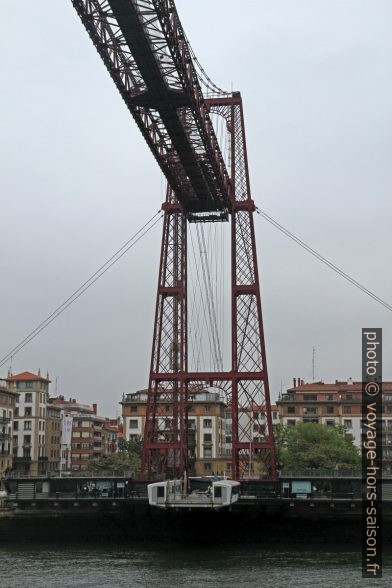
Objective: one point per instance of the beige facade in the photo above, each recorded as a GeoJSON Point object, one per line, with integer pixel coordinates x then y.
{"type": "Point", "coordinates": [29, 427]}
{"type": "Point", "coordinates": [8, 400]}
{"type": "Point", "coordinates": [338, 404]}
{"type": "Point", "coordinates": [209, 429]}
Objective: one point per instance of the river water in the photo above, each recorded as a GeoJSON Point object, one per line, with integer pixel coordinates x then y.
{"type": "Point", "coordinates": [172, 566]}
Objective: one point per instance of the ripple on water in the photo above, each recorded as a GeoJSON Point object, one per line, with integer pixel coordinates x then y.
{"type": "Point", "coordinates": [177, 566]}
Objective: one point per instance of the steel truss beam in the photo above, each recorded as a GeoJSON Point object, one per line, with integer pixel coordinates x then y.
{"type": "Point", "coordinates": [144, 48]}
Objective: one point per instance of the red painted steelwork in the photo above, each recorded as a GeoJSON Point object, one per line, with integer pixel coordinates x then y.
{"type": "Point", "coordinates": [167, 453]}
{"type": "Point", "coordinates": [146, 52]}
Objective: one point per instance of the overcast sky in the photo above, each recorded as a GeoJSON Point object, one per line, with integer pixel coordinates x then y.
{"type": "Point", "coordinates": [77, 180]}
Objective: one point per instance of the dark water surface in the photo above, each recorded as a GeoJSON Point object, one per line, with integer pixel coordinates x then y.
{"type": "Point", "coordinates": [172, 566]}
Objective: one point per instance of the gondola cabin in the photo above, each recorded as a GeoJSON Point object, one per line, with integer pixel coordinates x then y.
{"type": "Point", "coordinates": [170, 494]}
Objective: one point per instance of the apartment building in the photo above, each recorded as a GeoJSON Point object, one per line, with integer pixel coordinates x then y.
{"type": "Point", "coordinates": [209, 428]}
{"type": "Point", "coordinates": [53, 438]}
{"type": "Point", "coordinates": [252, 422]}
{"type": "Point", "coordinates": [29, 426]}
{"type": "Point", "coordinates": [88, 435]}
{"type": "Point", "coordinates": [8, 400]}
{"type": "Point", "coordinates": [336, 404]}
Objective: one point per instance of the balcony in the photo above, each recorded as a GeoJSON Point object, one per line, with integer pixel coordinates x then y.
{"type": "Point", "coordinates": [4, 420]}
{"type": "Point", "coordinates": [4, 436]}
{"type": "Point", "coordinates": [288, 398]}
{"type": "Point", "coordinates": [24, 459]}
{"type": "Point", "coordinates": [4, 452]}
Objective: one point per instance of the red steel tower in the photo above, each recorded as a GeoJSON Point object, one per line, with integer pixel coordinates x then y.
{"type": "Point", "coordinates": [146, 52]}
{"type": "Point", "coordinates": [246, 384]}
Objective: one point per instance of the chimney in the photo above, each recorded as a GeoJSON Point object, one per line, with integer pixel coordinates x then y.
{"type": "Point", "coordinates": [302, 382]}
{"type": "Point", "coordinates": [294, 383]}
{"type": "Point", "coordinates": [94, 408]}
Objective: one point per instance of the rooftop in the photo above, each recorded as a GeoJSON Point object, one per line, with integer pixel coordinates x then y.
{"type": "Point", "coordinates": [27, 377]}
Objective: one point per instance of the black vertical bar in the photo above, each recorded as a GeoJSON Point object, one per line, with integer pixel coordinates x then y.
{"type": "Point", "coordinates": [371, 443]}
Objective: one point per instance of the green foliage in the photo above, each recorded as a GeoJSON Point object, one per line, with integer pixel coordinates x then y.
{"type": "Point", "coordinates": [313, 445]}
{"type": "Point", "coordinates": [126, 461]}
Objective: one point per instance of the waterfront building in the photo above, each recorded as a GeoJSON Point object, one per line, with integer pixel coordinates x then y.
{"type": "Point", "coordinates": [209, 428]}
{"type": "Point", "coordinates": [338, 404]}
{"type": "Point", "coordinates": [29, 426]}
{"type": "Point", "coordinates": [86, 435]}
{"type": "Point", "coordinates": [8, 399]}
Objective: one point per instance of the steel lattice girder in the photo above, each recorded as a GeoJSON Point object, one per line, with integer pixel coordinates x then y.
{"type": "Point", "coordinates": [145, 51]}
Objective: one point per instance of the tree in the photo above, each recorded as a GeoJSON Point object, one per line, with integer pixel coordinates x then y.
{"type": "Point", "coordinates": [313, 445]}
{"type": "Point", "coordinates": [127, 460]}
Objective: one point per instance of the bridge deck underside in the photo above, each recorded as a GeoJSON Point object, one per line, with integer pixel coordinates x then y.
{"type": "Point", "coordinates": [197, 192]}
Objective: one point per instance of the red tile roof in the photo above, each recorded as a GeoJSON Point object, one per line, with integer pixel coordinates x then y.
{"type": "Point", "coordinates": [27, 376]}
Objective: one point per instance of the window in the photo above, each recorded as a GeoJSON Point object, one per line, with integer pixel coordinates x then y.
{"type": "Point", "coordinates": [291, 422]}
{"type": "Point", "coordinates": [310, 409]}
{"type": "Point", "coordinates": [207, 423]}
{"type": "Point", "coordinates": [330, 409]}
{"type": "Point", "coordinates": [133, 424]}
{"type": "Point", "coordinates": [16, 425]}
{"type": "Point", "coordinates": [329, 397]}
{"type": "Point", "coordinates": [207, 438]}
{"type": "Point", "coordinates": [207, 467]}
{"type": "Point", "coordinates": [228, 439]}
{"type": "Point", "coordinates": [29, 385]}
{"type": "Point", "coordinates": [274, 415]}
{"type": "Point", "coordinates": [348, 424]}
{"type": "Point", "coordinates": [310, 397]}
{"type": "Point", "coordinates": [207, 407]}
{"type": "Point", "coordinates": [27, 411]}
{"type": "Point", "coordinates": [133, 407]}
{"type": "Point", "coordinates": [291, 409]}
{"type": "Point", "coordinates": [347, 409]}
{"type": "Point", "coordinates": [311, 420]}
{"type": "Point", "coordinates": [349, 396]}
{"type": "Point", "coordinates": [26, 439]}
{"type": "Point", "coordinates": [255, 415]}
{"type": "Point", "coordinates": [330, 423]}
{"type": "Point", "coordinates": [208, 452]}
{"type": "Point", "coordinates": [27, 426]}
{"type": "Point", "coordinates": [28, 397]}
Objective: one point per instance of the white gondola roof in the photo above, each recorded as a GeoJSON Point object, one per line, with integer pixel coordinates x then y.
{"type": "Point", "coordinates": [226, 483]}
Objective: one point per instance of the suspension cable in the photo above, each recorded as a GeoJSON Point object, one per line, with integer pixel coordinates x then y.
{"type": "Point", "coordinates": [85, 286]}
{"type": "Point", "coordinates": [325, 261]}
